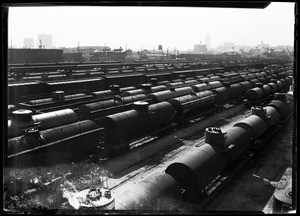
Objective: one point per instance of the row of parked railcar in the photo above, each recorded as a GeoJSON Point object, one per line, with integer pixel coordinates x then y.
{"type": "Point", "coordinates": [186, 100]}
{"type": "Point", "coordinates": [184, 80]}
{"type": "Point", "coordinates": [119, 128]}
{"type": "Point", "coordinates": [187, 178]}
{"type": "Point", "coordinates": [60, 100]}
{"type": "Point", "coordinates": [28, 74]}
{"type": "Point", "coordinates": [167, 107]}
{"type": "Point", "coordinates": [20, 92]}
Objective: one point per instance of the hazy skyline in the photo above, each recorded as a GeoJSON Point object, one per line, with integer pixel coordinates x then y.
{"type": "Point", "coordinates": [147, 27]}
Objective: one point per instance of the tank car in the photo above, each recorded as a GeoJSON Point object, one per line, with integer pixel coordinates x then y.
{"type": "Point", "coordinates": [206, 86]}
{"type": "Point", "coordinates": [258, 94]}
{"type": "Point", "coordinates": [122, 127]}
{"type": "Point", "coordinates": [105, 94]}
{"type": "Point", "coordinates": [168, 94]}
{"type": "Point", "coordinates": [146, 193]}
{"type": "Point", "coordinates": [128, 88]}
{"type": "Point", "coordinates": [98, 110]}
{"type": "Point", "coordinates": [158, 88]}
{"type": "Point", "coordinates": [133, 92]}
{"type": "Point", "coordinates": [87, 110]}
{"type": "Point", "coordinates": [52, 146]}
{"type": "Point", "coordinates": [282, 105]}
{"type": "Point", "coordinates": [228, 93]}
{"type": "Point", "coordinates": [254, 82]}
{"type": "Point", "coordinates": [204, 80]}
{"type": "Point", "coordinates": [23, 119]}
{"type": "Point", "coordinates": [245, 85]}
{"type": "Point", "coordinates": [195, 103]}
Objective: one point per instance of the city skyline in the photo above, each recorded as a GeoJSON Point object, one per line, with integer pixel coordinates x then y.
{"type": "Point", "coordinates": [148, 27]}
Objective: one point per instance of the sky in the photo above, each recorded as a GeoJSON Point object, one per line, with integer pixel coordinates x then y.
{"type": "Point", "coordinates": [147, 27]}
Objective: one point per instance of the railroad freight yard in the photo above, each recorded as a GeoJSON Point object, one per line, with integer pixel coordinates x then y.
{"type": "Point", "coordinates": [212, 134]}
{"type": "Point", "coordinates": [160, 145]}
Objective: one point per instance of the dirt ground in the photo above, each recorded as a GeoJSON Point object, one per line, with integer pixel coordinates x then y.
{"type": "Point", "coordinates": [249, 193]}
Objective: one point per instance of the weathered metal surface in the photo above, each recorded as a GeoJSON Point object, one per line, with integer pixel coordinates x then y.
{"type": "Point", "coordinates": [254, 125]}
{"type": "Point", "coordinates": [53, 145]}
{"type": "Point", "coordinates": [194, 171]}
{"type": "Point", "coordinates": [133, 123]}
{"type": "Point", "coordinates": [23, 119]}
{"type": "Point", "coordinates": [144, 195]}
{"type": "Point", "coordinates": [168, 94]}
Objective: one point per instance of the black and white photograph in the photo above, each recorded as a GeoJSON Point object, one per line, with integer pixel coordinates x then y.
{"type": "Point", "coordinates": [148, 107]}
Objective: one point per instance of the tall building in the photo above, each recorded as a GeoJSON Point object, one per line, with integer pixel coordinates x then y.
{"type": "Point", "coordinates": [200, 49]}
{"type": "Point", "coordinates": [45, 41]}
{"type": "Point", "coordinates": [28, 43]}
{"type": "Point", "coordinates": [207, 41]}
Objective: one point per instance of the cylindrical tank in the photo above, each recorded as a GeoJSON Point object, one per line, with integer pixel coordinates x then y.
{"type": "Point", "coordinates": [145, 194]}
{"type": "Point", "coordinates": [268, 78]}
{"type": "Point", "coordinates": [133, 98]}
{"type": "Point", "coordinates": [55, 118]}
{"type": "Point", "coordinates": [23, 119]}
{"type": "Point", "coordinates": [280, 85]}
{"type": "Point", "coordinates": [195, 170]}
{"type": "Point", "coordinates": [53, 145]}
{"type": "Point", "coordinates": [158, 88]}
{"type": "Point", "coordinates": [168, 94]}
{"type": "Point", "coordinates": [258, 75]}
{"type": "Point", "coordinates": [262, 80]}
{"type": "Point", "coordinates": [59, 96]}
{"type": "Point", "coordinates": [226, 94]}
{"type": "Point", "coordinates": [131, 124]}
{"type": "Point", "coordinates": [87, 109]}
{"type": "Point", "coordinates": [273, 86]}
{"type": "Point", "coordinates": [236, 91]}
{"type": "Point", "coordinates": [129, 88]}
{"type": "Point", "coordinates": [267, 90]}
{"type": "Point", "coordinates": [255, 94]}
{"type": "Point", "coordinates": [282, 107]}
{"type": "Point", "coordinates": [193, 102]}
{"type": "Point", "coordinates": [104, 94]}
{"type": "Point", "coordinates": [255, 126]}
{"type": "Point", "coordinates": [133, 92]}
{"type": "Point", "coordinates": [238, 140]}
{"type": "Point", "coordinates": [254, 81]}
{"type": "Point", "coordinates": [246, 85]}
{"type": "Point", "coordinates": [177, 84]}
{"type": "Point", "coordinates": [273, 115]}
{"type": "Point", "coordinates": [200, 87]}
{"type": "Point", "coordinates": [191, 82]}
{"type": "Point", "coordinates": [214, 84]}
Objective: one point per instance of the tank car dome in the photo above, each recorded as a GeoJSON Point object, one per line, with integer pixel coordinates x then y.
{"type": "Point", "coordinates": [22, 115]}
